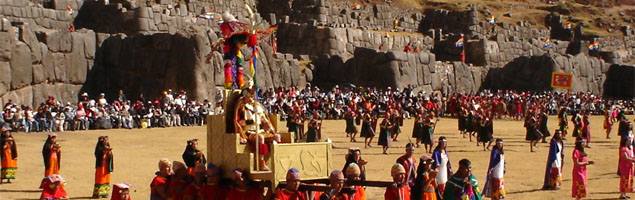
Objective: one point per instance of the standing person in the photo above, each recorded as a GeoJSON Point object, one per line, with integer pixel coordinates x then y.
{"type": "Point", "coordinates": [555, 163]}
{"type": "Point", "coordinates": [625, 166]}
{"type": "Point", "coordinates": [192, 156]}
{"type": "Point", "coordinates": [462, 185]}
{"type": "Point", "coordinates": [159, 185]}
{"type": "Point", "coordinates": [384, 133]}
{"type": "Point", "coordinates": [543, 126]}
{"type": "Point", "coordinates": [312, 134]}
{"type": "Point", "coordinates": [408, 162]}
{"type": "Point", "coordinates": [563, 122]}
{"type": "Point", "coordinates": [351, 130]}
{"type": "Point", "coordinates": [398, 190]}
{"type": "Point", "coordinates": [291, 191]}
{"type": "Point", "coordinates": [486, 134]}
{"type": "Point", "coordinates": [494, 185]}
{"type": "Point", "coordinates": [367, 131]}
{"type": "Point", "coordinates": [213, 189]}
{"type": "Point", "coordinates": [103, 167]}
{"type": "Point", "coordinates": [532, 135]}
{"type": "Point", "coordinates": [428, 132]}
{"type": "Point", "coordinates": [353, 172]}
{"type": "Point", "coordinates": [354, 156]}
{"type": "Point", "coordinates": [336, 180]}
{"type": "Point", "coordinates": [397, 121]}
{"type": "Point", "coordinates": [292, 125]}
{"type": "Point", "coordinates": [425, 185]}
{"type": "Point", "coordinates": [244, 188]}
{"type": "Point", "coordinates": [586, 129]}
{"type": "Point", "coordinates": [608, 123]}
{"type": "Point", "coordinates": [576, 119]}
{"type": "Point", "coordinates": [9, 155]}
{"type": "Point", "coordinates": [441, 164]}
{"type": "Point", "coordinates": [52, 155]}
{"type": "Point", "coordinates": [417, 130]}
{"type": "Point", "coordinates": [579, 175]}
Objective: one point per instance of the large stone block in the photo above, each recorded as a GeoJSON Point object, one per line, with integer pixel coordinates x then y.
{"type": "Point", "coordinates": [57, 41]}
{"type": "Point", "coordinates": [38, 74]}
{"type": "Point", "coordinates": [60, 67]}
{"type": "Point", "coordinates": [21, 70]}
{"type": "Point", "coordinates": [59, 4]}
{"type": "Point", "coordinates": [397, 55]}
{"type": "Point", "coordinates": [90, 44]}
{"type": "Point", "coordinates": [48, 64]}
{"type": "Point", "coordinates": [5, 77]}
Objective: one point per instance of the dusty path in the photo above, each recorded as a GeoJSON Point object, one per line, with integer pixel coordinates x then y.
{"type": "Point", "coordinates": [138, 151]}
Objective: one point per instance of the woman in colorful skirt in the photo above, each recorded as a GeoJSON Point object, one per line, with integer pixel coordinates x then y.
{"type": "Point", "coordinates": [103, 167]}
{"type": "Point", "coordinates": [579, 175]}
{"type": "Point", "coordinates": [625, 167]}
{"type": "Point", "coordinates": [425, 185]}
{"type": "Point", "coordinates": [494, 185]}
{"type": "Point", "coordinates": [384, 133]}
{"type": "Point", "coordinates": [313, 132]}
{"type": "Point", "coordinates": [9, 156]}
{"type": "Point", "coordinates": [553, 171]}
{"type": "Point", "coordinates": [53, 188]}
{"type": "Point", "coordinates": [52, 155]}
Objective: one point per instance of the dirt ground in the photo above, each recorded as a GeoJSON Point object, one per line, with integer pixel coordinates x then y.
{"type": "Point", "coordinates": [136, 153]}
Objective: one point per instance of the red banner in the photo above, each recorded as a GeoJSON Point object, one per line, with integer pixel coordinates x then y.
{"type": "Point", "coordinates": [561, 80]}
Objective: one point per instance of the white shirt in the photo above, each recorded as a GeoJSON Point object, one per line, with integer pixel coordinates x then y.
{"type": "Point", "coordinates": [442, 176]}
{"type": "Point", "coordinates": [556, 163]}
{"type": "Point", "coordinates": [499, 169]}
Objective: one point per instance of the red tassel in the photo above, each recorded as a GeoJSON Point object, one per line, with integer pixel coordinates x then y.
{"type": "Point", "coordinates": [253, 40]}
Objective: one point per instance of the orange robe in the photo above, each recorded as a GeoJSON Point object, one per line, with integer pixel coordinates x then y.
{"type": "Point", "coordinates": [9, 162]}
{"type": "Point", "coordinates": [401, 193]}
{"type": "Point", "coordinates": [360, 193]}
{"type": "Point", "coordinates": [285, 194]}
{"type": "Point", "coordinates": [54, 164]}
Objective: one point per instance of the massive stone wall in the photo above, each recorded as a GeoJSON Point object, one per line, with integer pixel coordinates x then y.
{"type": "Point", "coordinates": [40, 56]}
{"type": "Point", "coordinates": [340, 15]}
{"type": "Point", "coordinates": [303, 39]}
{"type": "Point", "coordinates": [534, 73]}
{"type": "Point", "coordinates": [37, 62]}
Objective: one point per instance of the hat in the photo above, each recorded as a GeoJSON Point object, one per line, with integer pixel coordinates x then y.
{"type": "Point", "coordinates": [427, 159]}
{"type": "Point", "coordinates": [410, 146]}
{"type": "Point", "coordinates": [397, 169]}
{"type": "Point", "coordinates": [84, 94]}
{"type": "Point", "coordinates": [353, 169]}
{"type": "Point", "coordinates": [52, 135]}
{"type": "Point", "coordinates": [336, 175]}
{"type": "Point", "coordinates": [177, 165]}
{"type": "Point", "coordinates": [55, 178]}
{"type": "Point", "coordinates": [442, 139]}
{"type": "Point", "coordinates": [293, 175]}
{"type": "Point", "coordinates": [499, 140]}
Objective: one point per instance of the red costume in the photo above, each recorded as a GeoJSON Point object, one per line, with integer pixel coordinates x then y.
{"type": "Point", "coordinates": [285, 194]}
{"type": "Point", "coordinates": [213, 191]}
{"type": "Point", "coordinates": [401, 193]}
{"type": "Point", "coordinates": [253, 193]}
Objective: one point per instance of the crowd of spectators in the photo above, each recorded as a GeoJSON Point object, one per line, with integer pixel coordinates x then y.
{"type": "Point", "coordinates": [175, 109]}
{"type": "Point", "coordinates": [171, 109]}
